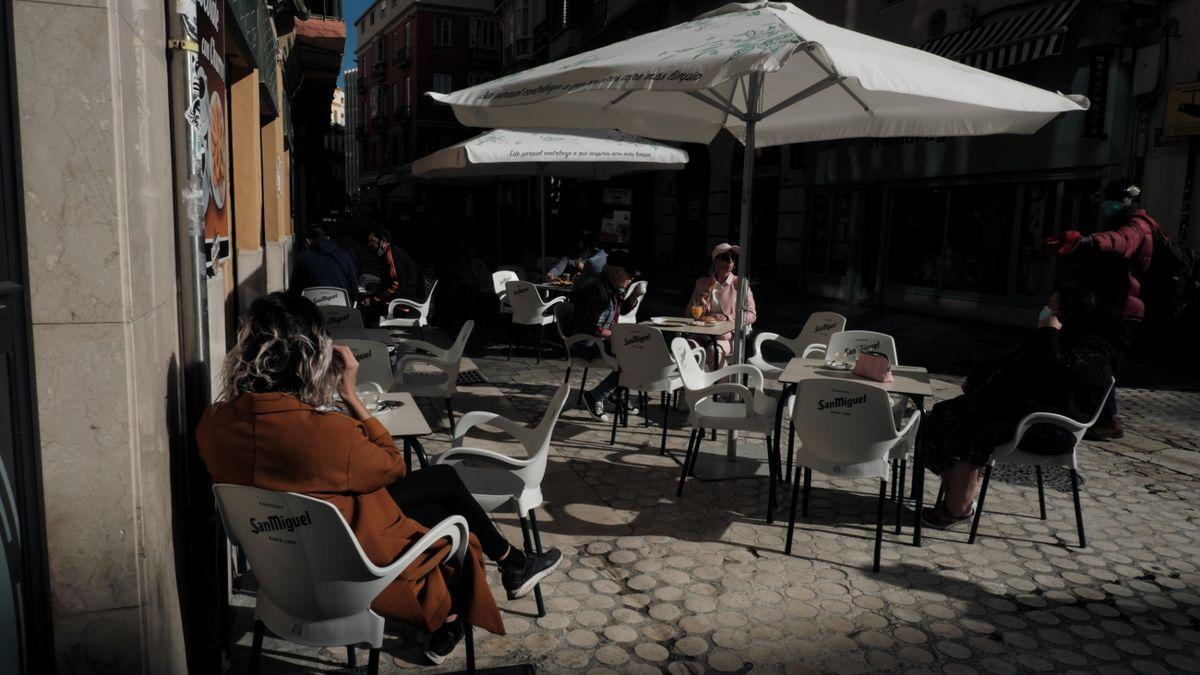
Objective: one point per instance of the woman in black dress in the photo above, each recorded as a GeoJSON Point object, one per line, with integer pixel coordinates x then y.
{"type": "Point", "coordinates": [1065, 367]}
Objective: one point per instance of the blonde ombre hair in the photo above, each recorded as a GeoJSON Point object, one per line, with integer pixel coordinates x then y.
{"type": "Point", "coordinates": [282, 347]}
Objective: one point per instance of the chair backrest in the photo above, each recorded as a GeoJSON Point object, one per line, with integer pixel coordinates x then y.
{"type": "Point", "coordinates": [819, 328]}
{"type": "Point", "coordinates": [842, 423]}
{"type": "Point", "coordinates": [543, 433]}
{"type": "Point", "coordinates": [855, 341]}
{"type": "Point", "coordinates": [525, 300]}
{"type": "Point", "coordinates": [690, 370]}
{"type": "Point", "coordinates": [455, 353]}
{"type": "Point", "coordinates": [374, 363]}
{"type": "Point", "coordinates": [500, 278]}
{"type": "Point", "coordinates": [305, 558]}
{"type": "Point", "coordinates": [640, 287]}
{"type": "Point", "coordinates": [563, 312]}
{"type": "Point", "coordinates": [642, 355]}
{"type": "Point", "coordinates": [337, 316]}
{"type": "Point", "coordinates": [515, 269]}
{"type": "Point", "coordinates": [327, 295]}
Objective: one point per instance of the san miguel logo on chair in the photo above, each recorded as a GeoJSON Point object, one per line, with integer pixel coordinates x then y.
{"type": "Point", "coordinates": [636, 339]}
{"type": "Point", "coordinates": [520, 290]}
{"type": "Point", "coordinates": [840, 402]}
{"type": "Point", "coordinates": [864, 347]}
{"type": "Point", "coordinates": [825, 328]}
{"type": "Point", "coordinates": [279, 524]}
{"type": "Point", "coordinates": [363, 356]}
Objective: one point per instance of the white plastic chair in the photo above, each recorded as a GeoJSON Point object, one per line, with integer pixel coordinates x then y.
{"type": "Point", "coordinates": [529, 309]}
{"type": "Point", "coordinates": [847, 430]}
{"type": "Point", "coordinates": [850, 342]}
{"type": "Point", "coordinates": [327, 295]}
{"type": "Point", "coordinates": [316, 584]}
{"type": "Point", "coordinates": [811, 341]}
{"type": "Point", "coordinates": [631, 315]}
{"type": "Point", "coordinates": [418, 318]}
{"type": "Point", "coordinates": [603, 361]}
{"type": "Point", "coordinates": [646, 366]}
{"type": "Point", "coordinates": [443, 383]}
{"type": "Point", "coordinates": [754, 411]}
{"type": "Point", "coordinates": [499, 279]}
{"type": "Point", "coordinates": [337, 316]}
{"type": "Point", "coordinates": [374, 363]}
{"type": "Point", "coordinates": [1011, 453]}
{"type": "Point", "coordinates": [504, 480]}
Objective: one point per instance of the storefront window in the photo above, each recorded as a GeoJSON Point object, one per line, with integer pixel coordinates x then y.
{"type": "Point", "coordinates": [918, 221]}
{"type": "Point", "coordinates": [839, 233]}
{"type": "Point", "coordinates": [828, 242]}
{"type": "Point", "coordinates": [978, 238]}
{"type": "Point", "coordinates": [818, 235]}
{"type": "Point", "coordinates": [1035, 266]}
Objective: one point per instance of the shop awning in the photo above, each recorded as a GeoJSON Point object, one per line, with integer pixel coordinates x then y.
{"type": "Point", "coordinates": [1017, 39]}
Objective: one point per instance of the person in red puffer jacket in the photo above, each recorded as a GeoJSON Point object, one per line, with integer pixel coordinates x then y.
{"type": "Point", "coordinates": [1117, 261]}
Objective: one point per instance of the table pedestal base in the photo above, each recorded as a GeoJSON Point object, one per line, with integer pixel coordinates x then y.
{"type": "Point", "coordinates": [751, 462]}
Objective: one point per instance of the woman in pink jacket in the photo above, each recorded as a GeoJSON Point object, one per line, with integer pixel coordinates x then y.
{"type": "Point", "coordinates": [717, 295]}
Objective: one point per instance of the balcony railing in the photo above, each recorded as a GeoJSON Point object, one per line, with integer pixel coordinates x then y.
{"type": "Point", "coordinates": [379, 71]}
{"type": "Point", "coordinates": [325, 9]}
{"type": "Point", "coordinates": [403, 56]}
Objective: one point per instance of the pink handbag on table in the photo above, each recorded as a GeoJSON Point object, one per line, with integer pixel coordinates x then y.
{"type": "Point", "coordinates": [873, 366]}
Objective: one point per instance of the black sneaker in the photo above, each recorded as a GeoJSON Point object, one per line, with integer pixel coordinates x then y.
{"type": "Point", "coordinates": [595, 408]}
{"type": "Point", "coordinates": [443, 641]}
{"type": "Point", "coordinates": [519, 582]}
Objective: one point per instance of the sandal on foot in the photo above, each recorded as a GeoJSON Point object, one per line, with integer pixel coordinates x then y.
{"type": "Point", "coordinates": [940, 517]}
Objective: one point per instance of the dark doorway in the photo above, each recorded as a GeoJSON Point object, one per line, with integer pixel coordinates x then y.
{"type": "Point", "coordinates": [25, 620]}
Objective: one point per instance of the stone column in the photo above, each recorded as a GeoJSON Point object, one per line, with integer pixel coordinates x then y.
{"type": "Point", "coordinates": [95, 144]}
{"type": "Point", "coordinates": [245, 143]}
{"type": "Point", "coordinates": [276, 223]}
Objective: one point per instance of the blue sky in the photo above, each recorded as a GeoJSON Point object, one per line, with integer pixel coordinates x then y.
{"type": "Point", "coordinates": [351, 10]}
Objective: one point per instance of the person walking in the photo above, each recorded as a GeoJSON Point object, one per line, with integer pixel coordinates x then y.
{"type": "Point", "coordinates": [323, 263]}
{"type": "Point", "coordinates": [1115, 263]}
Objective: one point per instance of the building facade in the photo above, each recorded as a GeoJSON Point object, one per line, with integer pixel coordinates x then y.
{"type": "Point", "coordinates": [406, 48]}
{"type": "Point", "coordinates": [350, 164]}
{"type": "Point", "coordinates": [132, 243]}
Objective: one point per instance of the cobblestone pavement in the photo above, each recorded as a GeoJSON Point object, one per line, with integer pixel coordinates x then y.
{"type": "Point", "coordinates": [652, 583]}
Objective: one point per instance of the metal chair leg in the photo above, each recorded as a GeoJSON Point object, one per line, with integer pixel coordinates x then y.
{"type": "Point", "coordinates": [662, 450]}
{"type": "Point", "coordinates": [537, 546]}
{"type": "Point", "coordinates": [351, 657]}
{"type": "Point", "coordinates": [541, 607]}
{"type": "Point", "coordinates": [900, 496]}
{"type": "Point", "coordinates": [687, 460]}
{"type": "Point", "coordinates": [696, 452]}
{"type": "Point", "coordinates": [373, 662]}
{"type": "Point", "coordinates": [644, 402]}
{"type": "Point", "coordinates": [773, 470]}
{"type": "Point", "coordinates": [1041, 492]}
{"type": "Point", "coordinates": [807, 489]}
{"type": "Point", "coordinates": [616, 419]}
{"type": "Point", "coordinates": [541, 341]}
{"type": "Point", "coordinates": [469, 640]}
{"type": "Point", "coordinates": [450, 414]}
{"type": "Point", "coordinates": [791, 448]}
{"type": "Point", "coordinates": [787, 547]}
{"type": "Point", "coordinates": [895, 465]}
{"type": "Point", "coordinates": [883, 486]}
{"type": "Point", "coordinates": [567, 376]}
{"type": "Point", "coordinates": [256, 646]}
{"type": "Point", "coordinates": [582, 386]}
{"type": "Point", "coordinates": [1078, 508]}
{"type": "Point", "coordinates": [987, 478]}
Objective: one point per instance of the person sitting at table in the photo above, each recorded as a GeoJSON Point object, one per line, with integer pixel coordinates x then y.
{"type": "Point", "coordinates": [594, 258]}
{"type": "Point", "coordinates": [598, 303]}
{"type": "Point", "coordinates": [572, 264]}
{"type": "Point", "coordinates": [1065, 367]}
{"type": "Point", "coordinates": [717, 294]}
{"type": "Point", "coordinates": [275, 427]}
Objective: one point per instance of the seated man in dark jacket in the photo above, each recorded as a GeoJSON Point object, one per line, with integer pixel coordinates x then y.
{"type": "Point", "coordinates": [1065, 368]}
{"type": "Point", "coordinates": [598, 304]}
{"type": "Point", "coordinates": [322, 263]}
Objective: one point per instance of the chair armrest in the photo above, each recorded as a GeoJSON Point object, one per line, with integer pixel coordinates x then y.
{"type": "Point", "coordinates": [815, 348]}
{"type": "Point", "coordinates": [441, 364]}
{"type": "Point", "coordinates": [1061, 421]}
{"type": "Point", "coordinates": [608, 358]}
{"type": "Point", "coordinates": [553, 301]}
{"type": "Point", "coordinates": [458, 454]}
{"type": "Point", "coordinates": [755, 375]}
{"type": "Point", "coordinates": [747, 396]}
{"type": "Point", "coordinates": [761, 338]}
{"type": "Point", "coordinates": [401, 302]}
{"type": "Point", "coordinates": [572, 340]}
{"type": "Point", "coordinates": [453, 528]}
{"type": "Point", "coordinates": [476, 418]}
{"type": "Point", "coordinates": [427, 347]}
{"type": "Point", "coordinates": [378, 388]}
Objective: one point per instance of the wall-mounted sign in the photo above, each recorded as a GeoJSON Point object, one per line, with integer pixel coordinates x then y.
{"type": "Point", "coordinates": [614, 227]}
{"type": "Point", "coordinates": [207, 116]}
{"type": "Point", "coordinates": [1182, 116]}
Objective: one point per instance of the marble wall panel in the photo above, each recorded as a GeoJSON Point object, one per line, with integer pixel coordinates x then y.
{"type": "Point", "coordinates": [83, 398]}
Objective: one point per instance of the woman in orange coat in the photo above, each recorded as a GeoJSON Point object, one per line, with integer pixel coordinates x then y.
{"type": "Point", "coordinates": [276, 428]}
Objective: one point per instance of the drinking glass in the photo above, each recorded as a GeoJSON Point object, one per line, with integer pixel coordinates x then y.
{"type": "Point", "coordinates": [697, 312]}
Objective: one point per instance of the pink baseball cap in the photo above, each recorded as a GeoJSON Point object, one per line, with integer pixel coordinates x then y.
{"type": "Point", "coordinates": [722, 249]}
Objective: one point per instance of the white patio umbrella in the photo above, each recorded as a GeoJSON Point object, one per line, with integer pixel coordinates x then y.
{"type": "Point", "coordinates": [770, 74]}
{"type": "Point", "coordinates": [588, 155]}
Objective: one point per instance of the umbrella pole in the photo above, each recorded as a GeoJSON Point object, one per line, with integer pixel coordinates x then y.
{"type": "Point", "coordinates": [542, 202]}
{"type": "Point", "coordinates": [753, 96]}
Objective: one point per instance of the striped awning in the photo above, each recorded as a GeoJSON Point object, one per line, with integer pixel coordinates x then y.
{"type": "Point", "coordinates": [1016, 39]}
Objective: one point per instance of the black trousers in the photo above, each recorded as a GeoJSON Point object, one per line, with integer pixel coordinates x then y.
{"type": "Point", "coordinates": [431, 495]}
